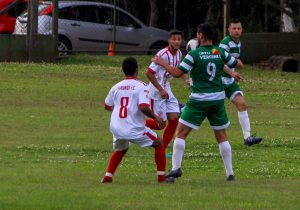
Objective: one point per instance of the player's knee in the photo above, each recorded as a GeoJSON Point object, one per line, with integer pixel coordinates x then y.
{"type": "Point", "coordinates": [242, 106]}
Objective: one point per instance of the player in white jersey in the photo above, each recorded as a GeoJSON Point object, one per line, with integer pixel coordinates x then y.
{"type": "Point", "coordinates": [129, 102]}
{"type": "Point", "coordinates": [163, 101]}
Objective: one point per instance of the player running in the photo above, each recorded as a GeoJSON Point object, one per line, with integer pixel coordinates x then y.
{"type": "Point", "coordinates": [163, 101]}
{"type": "Point", "coordinates": [128, 100]}
{"type": "Point", "coordinates": [232, 45]}
{"type": "Point", "coordinates": [205, 65]}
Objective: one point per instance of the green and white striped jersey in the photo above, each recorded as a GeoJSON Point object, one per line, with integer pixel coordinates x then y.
{"type": "Point", "coordinates": [205, 65]}
{"type": "Point", "coordinates": [234, 49]}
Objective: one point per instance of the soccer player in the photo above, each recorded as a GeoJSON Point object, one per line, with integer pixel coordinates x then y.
{"type": "Point", "coordinates": [232, 45]}
{"type": "Point", "coordinates": [163, 101]}
{"type": "Point", "coordinates": [205, 65]}
{"type": "Point", "coordinates": [128, 100]}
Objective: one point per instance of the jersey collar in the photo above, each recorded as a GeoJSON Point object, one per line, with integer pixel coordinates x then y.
{"type": "Point", "coordinates": [130, 77]}
{"type": "Point", "coordinates": [172, 51]}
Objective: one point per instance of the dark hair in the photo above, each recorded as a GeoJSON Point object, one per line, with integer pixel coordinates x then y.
{"type": "Point", "coordinates": [208, 31]}
{"type": "Point", "coordinates": [234, 20]}
{"type": "Point", "coordinates": [175, 32]}
{"type": "Point", "coordinates": [129, 66]}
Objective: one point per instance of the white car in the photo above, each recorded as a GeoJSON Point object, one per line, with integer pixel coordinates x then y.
{"type": "Point", "coordinates": [88, 26]}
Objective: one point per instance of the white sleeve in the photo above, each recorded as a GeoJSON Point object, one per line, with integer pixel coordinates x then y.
{"type": "Point", "coordinates": [109, 100]}
{"type": "Point", "coordinates": [154, 68]}
{"type": "Point", "coordinates": [144, 96]}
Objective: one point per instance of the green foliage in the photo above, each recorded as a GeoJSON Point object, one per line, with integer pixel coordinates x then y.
{"type": "Point", "coordinates": [55, 144]}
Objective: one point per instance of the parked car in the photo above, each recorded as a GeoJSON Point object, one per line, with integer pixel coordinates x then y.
{"type": "Point", "coordinates": [8, 19]}
{"type": "Point", "coordinates": [88, 26]}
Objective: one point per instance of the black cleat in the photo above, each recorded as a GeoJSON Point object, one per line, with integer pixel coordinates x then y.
{"type": "Point", "coordinates": [170, 180]}
{"type": "Point", "coordinates": [252, 140]}
{"type": "Point", "coordinates": [230, 178]}
{"type": "Point", "coordinates": [175, 174]}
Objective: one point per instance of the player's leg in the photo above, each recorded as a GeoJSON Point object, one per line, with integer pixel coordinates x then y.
{"type": "Point", "coordinates": [150, 138]}
{"type": "Point", "coordinates": [219, 122]}
{"type": "Point", "coordinates": [225, 152]}
{"type": "Point", "coordinates": [191, 118]}
{"type": "Point", "coordinates": [172, 107]}
{"type": "Point", "coordinates": [120, 148]}
{"type": "Point", "coordinates": [234, 93]}
{"type": "Point", "coordinates": [158, 108]}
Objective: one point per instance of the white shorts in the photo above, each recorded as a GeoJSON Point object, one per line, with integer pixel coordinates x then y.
{"type": "Point", "coordinates": [145, 140]}
{"type": "Point", "coordinates": [162, 107]}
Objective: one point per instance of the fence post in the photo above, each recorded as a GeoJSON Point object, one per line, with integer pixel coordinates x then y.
{"type": "Point", "coordinates": [115, 23]}
{"type": "Point", "coordinates": [226, 14]}
{"type": "Point", "coordinates": [174, 13]}
{"type": "Point", "coordinates": [32, 28]}
{"type": "Point", "coordinates": [55, 26]}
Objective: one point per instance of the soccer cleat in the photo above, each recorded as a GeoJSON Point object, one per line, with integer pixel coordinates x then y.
{"type": "Point", "coordinates": [168, 155]}
{"type": "Point", "coordinates": [230, 178]}
{"type": "Point", "coordinates": [106, 179]}
{"type": "Point", "coordinates": [167, 180]}
{"type": "Point", "coordinates": [175, 173]}
{"type": "Point", "coordinates": [252, 140]}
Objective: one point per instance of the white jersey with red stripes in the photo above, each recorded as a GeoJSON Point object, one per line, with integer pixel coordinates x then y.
{"type": "Point", "coordinates": [163, 77]}
{"type": "Point", "coordinates": [127, 120]}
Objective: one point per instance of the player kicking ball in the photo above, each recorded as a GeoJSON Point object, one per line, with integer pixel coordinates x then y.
{"type": "Point", "coordinates": [205, 65]}
{"type": "Point", "coordinates": [129, 102]}
{"type": "Point", "coordinates": [163, 101]}
{"type": "Point", "coordinates": [232, 45]}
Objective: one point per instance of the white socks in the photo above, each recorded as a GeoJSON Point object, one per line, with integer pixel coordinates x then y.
{"type": "Point", "coordinates": [178, 150]}
{"type": "Point", "coordinates": [245, 123]}
{"type": "Point", "coordinates": [225, 151]}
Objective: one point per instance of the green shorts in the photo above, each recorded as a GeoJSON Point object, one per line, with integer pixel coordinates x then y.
{"type": "Point", "coordinates": [232, 90]}
{"type": "Point", "coordinates": [195, 112]}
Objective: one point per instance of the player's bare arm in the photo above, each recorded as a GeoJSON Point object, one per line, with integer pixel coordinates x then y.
{"type": "Point", "coordinates": [146, 111]}
{"type": "Point", "coordinates": [237, 76]}
{"type": "Point", "coordinates": [172, 70]}
{"type": "Point", "coordinates": [186, 80]}
{"type": "Point", "coordinates": [153, 80]}
{"type": "Point", "coordinates": [239, 64]}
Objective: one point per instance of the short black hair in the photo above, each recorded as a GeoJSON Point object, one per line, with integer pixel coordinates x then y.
{"type": "Point", "coordinates": [175, 32]}
{"type": "Point", "coordinates": [234, 20]}
{"type": "Point", "coordinates": [208, 31]}
{"type": "Point", "coordinates": [129, 66]}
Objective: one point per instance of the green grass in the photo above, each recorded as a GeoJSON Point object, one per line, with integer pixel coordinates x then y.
{"type": "Point", "coordinates": [55, 144]}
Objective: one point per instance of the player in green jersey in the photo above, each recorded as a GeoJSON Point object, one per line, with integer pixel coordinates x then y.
{"type": "Point", "coordinates": [205, 65]}
{"type": "Point", "coordinates": [232, 45]}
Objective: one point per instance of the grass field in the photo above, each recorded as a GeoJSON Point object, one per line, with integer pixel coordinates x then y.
{"type": "Point", "coordinates": [55, 144]}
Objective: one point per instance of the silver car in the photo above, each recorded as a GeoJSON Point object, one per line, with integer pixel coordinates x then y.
{"type": "Point", "coordinates": [88, 26]}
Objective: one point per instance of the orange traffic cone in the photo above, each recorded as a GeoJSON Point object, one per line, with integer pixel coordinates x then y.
{"type": "Point", "coordinates": [111, 50]}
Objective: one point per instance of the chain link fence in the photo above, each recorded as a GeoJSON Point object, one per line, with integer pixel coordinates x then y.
{"type": "Point", "coordinates": [141, 26]}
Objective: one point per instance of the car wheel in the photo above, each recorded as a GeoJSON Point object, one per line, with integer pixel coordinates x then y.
{"type": "Point", "coordinates": [156, 47]}
{"type": "Point", "coordinates": [64, 47]}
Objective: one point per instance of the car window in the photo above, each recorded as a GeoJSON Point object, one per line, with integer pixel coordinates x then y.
{"type": "Point", "coordinates": [17, 10]}
{"type": "Point", "coordinates": [88, 14]}
{"type": "Point", "coordinates": [68, 13]}
{"type": "Point", "coordinates": [106, 15]}
{"type": "Point", "coordinates": [125, 20]}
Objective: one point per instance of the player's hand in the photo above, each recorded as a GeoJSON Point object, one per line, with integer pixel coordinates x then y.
{"type": "Point", "coordinates": [158, 60]}
{"type": "Point", "coordinates": [163, 94]}
{"type": "Point", "coordinates": [237, 76]}
{"type": "Point", "coordinates": [159, 121]}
